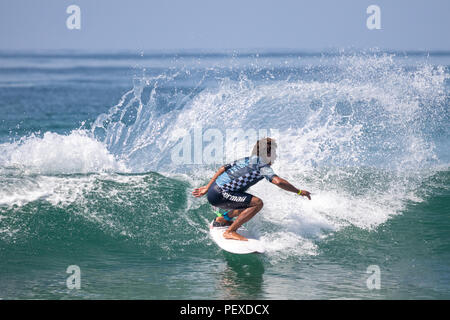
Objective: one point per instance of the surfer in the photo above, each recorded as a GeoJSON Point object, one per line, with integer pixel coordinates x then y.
{"type": "Point", "coordinates": [226, 189]}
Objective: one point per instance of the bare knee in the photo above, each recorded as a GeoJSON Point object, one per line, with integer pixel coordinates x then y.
{"type": "Point", "coordinates": [257, 202]}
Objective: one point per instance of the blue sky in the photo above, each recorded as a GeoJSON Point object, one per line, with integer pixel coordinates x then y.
{"type": "Point", "coordinates": [226, 24]}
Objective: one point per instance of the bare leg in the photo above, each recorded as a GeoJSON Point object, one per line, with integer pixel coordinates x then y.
{"type": "Point", "coordinates": [256, 205]}
{"type": "Point", "coordinates": [235, 213]}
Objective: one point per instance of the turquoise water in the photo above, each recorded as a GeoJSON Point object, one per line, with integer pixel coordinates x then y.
{"type": "Point", "coordinates": [88, 177]}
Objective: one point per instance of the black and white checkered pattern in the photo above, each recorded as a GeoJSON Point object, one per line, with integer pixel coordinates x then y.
{"type": "Point", "coordinates": [243, 181]}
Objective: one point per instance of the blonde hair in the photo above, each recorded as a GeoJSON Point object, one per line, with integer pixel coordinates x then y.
{"type": "Point", "coordinates": [266, 149]}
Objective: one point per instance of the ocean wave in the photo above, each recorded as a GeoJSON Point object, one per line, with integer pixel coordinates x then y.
{"type": "Point", "coordinates": [54, 153]}
{"type": "Point", "coordinates": [362, 138]}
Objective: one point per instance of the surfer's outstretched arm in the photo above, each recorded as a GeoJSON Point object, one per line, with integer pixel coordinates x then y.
{"type": "Point", "coordinates": [285, 185]}
{"type": "Point", "coordinates": [198, 192]}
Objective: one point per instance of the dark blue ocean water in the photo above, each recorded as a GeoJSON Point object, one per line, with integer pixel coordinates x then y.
{"type": "Point", "coordinates": [89, 175]}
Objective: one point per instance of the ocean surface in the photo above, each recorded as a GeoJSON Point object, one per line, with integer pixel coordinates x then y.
{"type": "Point", "coordinates": [99, 154]}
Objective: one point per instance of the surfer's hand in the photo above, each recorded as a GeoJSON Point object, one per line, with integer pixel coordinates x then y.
{"type": "Point", "coordinates": [198, 192]}
{"type": "Point", "coordinates": [305, 193]}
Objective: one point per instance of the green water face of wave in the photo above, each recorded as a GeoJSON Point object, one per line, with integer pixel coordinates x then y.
{"type": "Point", "coordinates": [146, 230]}
{"type": "Point", "coordinates": [78, 211]}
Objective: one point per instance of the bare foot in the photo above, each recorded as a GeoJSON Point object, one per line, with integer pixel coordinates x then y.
{"type": "Point", "coordinates": [234, 236]}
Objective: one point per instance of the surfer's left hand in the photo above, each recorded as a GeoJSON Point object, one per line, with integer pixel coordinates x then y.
{"type": "Point", "coordinates": [305, 193]}
{"type": "Point", "coordinates": [198, 192]}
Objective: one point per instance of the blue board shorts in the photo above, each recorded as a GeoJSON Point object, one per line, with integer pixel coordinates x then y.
{"type": "Point", "coordinates": [227, 199]}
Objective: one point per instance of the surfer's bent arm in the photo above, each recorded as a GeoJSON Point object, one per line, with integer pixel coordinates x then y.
{"type": "Point", "coordinates": [285, 185]}
{"type": "Point", "coordinates": [203, 190]}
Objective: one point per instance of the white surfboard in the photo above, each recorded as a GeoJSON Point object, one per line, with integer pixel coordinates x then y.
{"type": "Point", "coordinates": [253, 245]}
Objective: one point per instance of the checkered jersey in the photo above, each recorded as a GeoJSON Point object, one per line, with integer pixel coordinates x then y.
{"type": "Point", "coordinates": [243, 173]}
